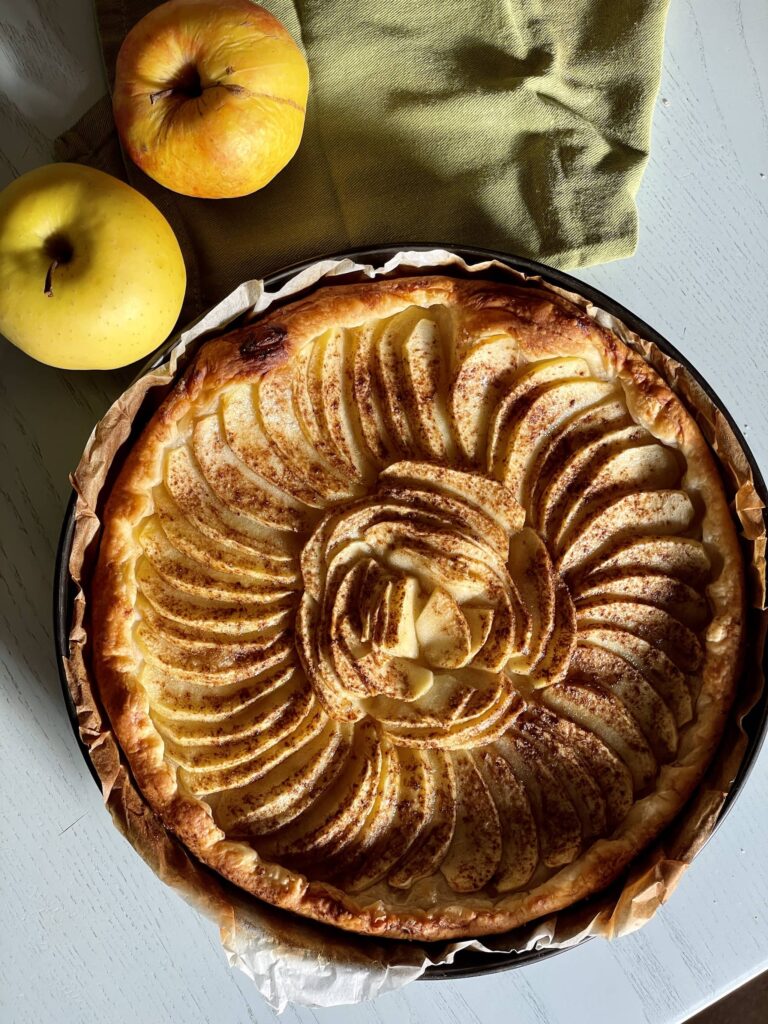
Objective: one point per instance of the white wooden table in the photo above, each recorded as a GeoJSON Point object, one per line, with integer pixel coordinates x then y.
{"type": "Point", "coordinates": [87, 933]}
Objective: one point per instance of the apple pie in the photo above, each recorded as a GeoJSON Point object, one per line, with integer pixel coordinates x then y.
{"type": "Point", "coordinates": [419, 606]}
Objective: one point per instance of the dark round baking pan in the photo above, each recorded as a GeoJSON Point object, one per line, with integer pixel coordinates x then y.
{"type": "Point", "coordinates": [467, 963]}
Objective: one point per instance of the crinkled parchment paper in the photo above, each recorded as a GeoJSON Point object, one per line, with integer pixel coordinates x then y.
{"type": "Point", "coordinates": [295, 960]}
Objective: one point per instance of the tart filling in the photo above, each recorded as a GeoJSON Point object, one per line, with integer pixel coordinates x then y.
{"type": "Point", "coordinates": [419, 606]}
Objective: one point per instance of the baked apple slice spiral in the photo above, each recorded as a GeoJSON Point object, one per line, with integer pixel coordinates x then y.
{"type": "Point", "coordinates": [417, 613]}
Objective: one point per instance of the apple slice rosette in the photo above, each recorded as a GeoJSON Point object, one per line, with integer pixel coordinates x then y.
{"type": "Point", "coordinates": [419, 606]}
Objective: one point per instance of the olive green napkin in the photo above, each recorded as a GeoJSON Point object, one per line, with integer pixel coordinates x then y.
{"type": "Point", "coordinates": [514, 124]}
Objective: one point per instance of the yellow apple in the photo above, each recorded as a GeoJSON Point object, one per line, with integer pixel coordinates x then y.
{"type": "Point", "coordinates": [91, 274]}
{"type": "Point", "coordinates": [210, 96]}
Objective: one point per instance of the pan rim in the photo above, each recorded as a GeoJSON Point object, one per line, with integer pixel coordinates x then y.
{"type": "Point", "coordinates": [467, 963]}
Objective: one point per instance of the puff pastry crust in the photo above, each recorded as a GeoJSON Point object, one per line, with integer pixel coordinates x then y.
{"type": "Point", "coordinates": [419, 606]}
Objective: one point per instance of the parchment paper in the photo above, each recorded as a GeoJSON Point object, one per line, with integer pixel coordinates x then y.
{"type": "Point", "coordinates": [291, 959]}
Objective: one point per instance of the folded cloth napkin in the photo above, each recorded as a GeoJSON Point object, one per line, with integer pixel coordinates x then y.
{"type": "Point", "coordinates": [522, 125]}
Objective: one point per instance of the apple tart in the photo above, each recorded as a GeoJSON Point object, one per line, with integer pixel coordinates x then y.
{"type": "Point", "coordinates": [419, 606]}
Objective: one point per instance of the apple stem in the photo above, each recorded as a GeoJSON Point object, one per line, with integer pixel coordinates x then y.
{"type": "Point", "coordinates": [155, 96]}
{"type": "Point", "coordinates": [48, 289]}
{"type": "Point", "coordinates": [162, 94]}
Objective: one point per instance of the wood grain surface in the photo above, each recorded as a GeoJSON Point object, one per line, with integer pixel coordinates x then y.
{"type": "Point", "coordinates": [87, 933]}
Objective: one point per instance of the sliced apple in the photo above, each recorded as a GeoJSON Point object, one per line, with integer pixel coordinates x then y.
{"type": "Point", "coordinates": [480, 623]}
{"type": "Point", "coordinates": [645, 468]}
{"type": "Point", "coordinates": [342, 420]}
{"type": "Point", "coordinates": [447, 512]}
{"type": "Point", "coordinates": [425, 365]}
{"type": "Point", "coordinates": [196, 612]}
{"type": "Point", "coordinates": [608, 771]}
{"type": "Point", "coordinates": [214, 518]}
{"type": "Point", "coordinates": [576, 468]}
{"type": "Point", "coordinates": [369, 395]}
{"type": "Point", "coordinates": [337, 643]}
{"type": "Point", "coordinates": [252, 446]}
{"type": "Point", "coordinates": [474, 716]}
{"type": "Point", "coordinates": [218, 663]}
{"type": "Point", "coordinates": [323, 564]}
{"type": "Point", "coordinates": [389, 375]}
{"type": "Point", "coordinates": [682, 557]}
{"type": "Point", "coordinates": [244, 491]}
{"type": "Point", "coordinates": [320, 399]}
{"type": "Point", "coordinates": [602, 713]}
{"type": "Point", "coordinates": [339, 670]}
{"type": "Point", "coordinates": [535, 726]}
{"type": "Point", "coordinates": [341, 600]}
{"type": "Point", "coordinates": [653, 513]}
{"type": "Point", "coordinates": [372, 588]}
{"type": "Point", "coordinates": [274, 399]}
{"type": "Point", "coordinates": [444, 639]}
{"type": "Point", "coordinates": [181, 699]}
{"type": "Point", "coordinates": [313, 556]}
{"type": "Point", "coordinates": [278, 715]}
{"type": "Point", "coordinates": [474, 855]}
{"type": "Point", "coordinates": [528, 383]}
{"type": "Point", "coordinates": [194, 635]}
{"type": "Point", "coordinates": [434, 558]}
{"type": "Point", "coordinates": [255, 717]}
{"type": "Point", "coordinates": [567, 442]}
{"type": "Point", "coordinates": [392, 841]}
{"type": "Point", "coordinates": [454, 699]}
{"type": "Point", "coordinates": [654, 625]}
{"type": "Point", "coordinates": [335, 698]}
{"type": "Point", "coordinates": [318, 395]}
{"type": "Point", "coordinates": [487, 496]}
{"type": "Point", "coordinates": [375, 812]}
{"type": "Point", "coordinates": [397, 637]}
{"type": "Point", "coordinates": [557, 823]}
{"type": "Point", "coordinates": [331, 822]}
{"type": "Point", "coordinates": [483, 376]}
{"type": "Point", "coordinates": [519, 836]}
{"type": "Point", "coordinates": [506, 635]}
{"type": "Point", "coordinates": [640, 699]}
{"type": "Point", "coordinates": [396, 678]}
{"type": "Point", "coordinates": [278, 795]}
{"type": "Point", "coordinates": [344, 348]}
{"type": "Point", "coordinates": [275, 747]}
{"type": "Point", "coordinates": [661, 591]}
{"type": "Point", "coordinates": [668, 681]}
{"type": "Point", "coordinates": [433, 839]}
{"type": "Point", "coordinates": [559, 647]}
{"type": "Point", "coordinates": [519, 446]}
{"type": "Point", "coordinates": [376, 828]}
{"type": "Point", "coordinates": [531, 569]}
{"type": "Point", "coordinates": [222, 554]}
{"type": "Point", "coordinates": [338, 530]}
{"type": "Point", "coordinates": [189, 576]}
